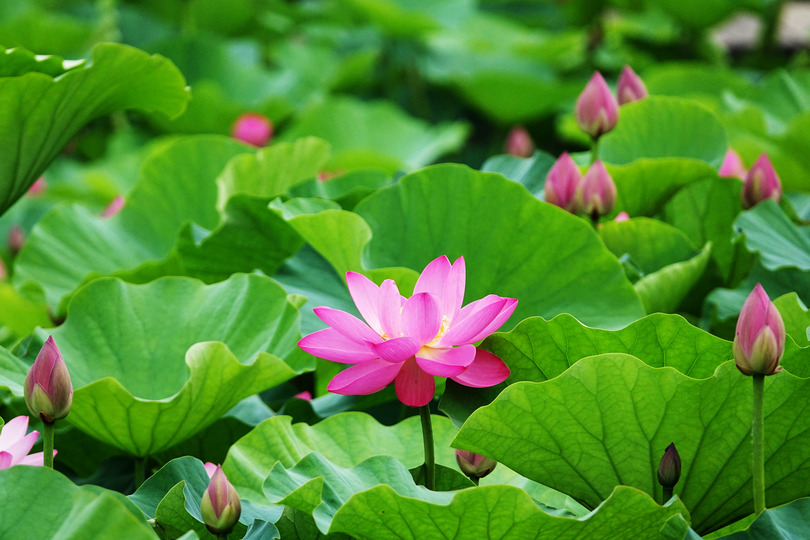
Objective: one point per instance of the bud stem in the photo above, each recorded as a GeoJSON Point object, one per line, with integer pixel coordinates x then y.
{"type": "Point", "coordinates": [594, 150]}
{"type": "Point", "coordinates": [222, 536]}
{"type": "Point", "coordinates": [47, 444]}
{"type": "Point", "coordinates": [758, 443]}
{"type": "Point", "coordinates": [140, 471]}
{"type": "Point", "coordinates": [427, 437]}
{"type": "Point", "coordinates": [667, 495]}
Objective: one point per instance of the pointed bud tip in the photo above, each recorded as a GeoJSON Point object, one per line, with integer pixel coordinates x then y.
{"type": "Point", "coordinates": [630, 87]}
{"type": "Point", "coordinates": [596, 111]}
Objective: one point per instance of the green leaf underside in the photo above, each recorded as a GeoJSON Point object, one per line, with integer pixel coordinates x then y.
{"type": "Point", "coordinates": [40, 113]}
{"type": "Point", "coordinates": [780, 243]}
{"type": "Point", "coordinates": [607, 421]}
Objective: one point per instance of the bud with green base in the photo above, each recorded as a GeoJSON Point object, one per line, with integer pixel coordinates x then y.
{"type": "Point", "coordinates": [48, 392]}
{"type": "Point", "coordinates": [669, 471]}
{"type": "Point", "coordinates": [220, 505]}
{"type": "Point", "coordinates": [475, 466]}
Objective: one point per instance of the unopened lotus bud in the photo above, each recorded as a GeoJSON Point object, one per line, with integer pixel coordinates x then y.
{"type": "Point", "coordinates": [114, 207]}
{"type": "Point", "coordinates": [759, 341]}
{"type": "Point", "coordinates": [253, 128]}
{"type": "Point", "coordinates": [562, 182]}
{"type": "Point", "coordinates": [630, 87]}
{"type": "Point", "coordinates": [38, 187]}
{"type": "Point", "coordinates": [16, 238]}
{"type": "Point", "coordinates": [622, 216]}
{"type": "Point", "coordinates": [669, 468]}
{"type": "Point", "coordinates": [474, 465]}
{"type": "Point", "coordinates": [596, 110]}
{"type": "Point", "coordinates": [733, 166]}
{"type": "Point", "coordinates": [519, 143]}
{"type": "Point", "coordinates": [220, 506]}
{"type": "Point", "coordinates": [48, 390]}
{"type": "Point", "coordinates": [597, 192]}
{"type": "Point", "coordinates": [761, 183]}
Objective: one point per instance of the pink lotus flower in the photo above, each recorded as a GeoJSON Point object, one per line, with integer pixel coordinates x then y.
{"type": "Point", "coordinates": [114, 207]}
{"type": "Point", "coordinates": [630, 87]}
{"type": "Point", "coordinates": [562, 182]}
{"type": "Point", "coordinates": [597, 192]}
{"type": "Point", "coordinates": [761, 183]}
{"type": "Point", "coordinates": [596, 111]}
{"type": "Point", "coordinates": [759, 341]}
{"type": "Point", "coordinates": [48, 390]}
{"type": "Point", "coordinates": [15, 444]}
{"type": "Point", "coordinates": [519, 143]}
{"type": "Point", "coordinates": [733, 166]}
{"type": "Point", "coordinates": [253, 128]}
{"type": "Point", "coordinates": [220, 506]}
{"type": "Point", "coordinates": [408, 341]}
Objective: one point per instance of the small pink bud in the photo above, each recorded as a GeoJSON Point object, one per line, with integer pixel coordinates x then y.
{"type": "Point", "coordinates": [38, 187]}
{"type": "Point", "coordinates": [759, 341]}
{"type": "Point", "coordinates": [669, 468]}
{"type": "Point", "coordinates": [630, 86]}
{"type": "Point", "coordinates": [220, 505]}
{"type": "Point", "coordinates": [3, 271]}
{"type": "Point", "coordinates": [474, 465]}
{"type": "Point", "coordinates": [596, 111]}
{"type": "Point", "coordinates": [562, 182]}
{"type": "Point", "coordinates": [622, 216]}
{"type": "Point", "coordinates": [519, 143]}
{"type": "Point", "coordinates": [253, 128]}
{"type": "Point", "coordinates": [48, 391]}
{"type": "Point", "coordinates": [761, 183]}
{"type": "Point", "coordinates": [306, 396]}
{"type": "Point", "coordinates": [324, 176]}
{"type": "Point", "coordinates": [114, 207]}
{"type": "Point", "coordinates": [733, 166]}
{"type": "Point", "coordinates": [16, 238]}
{"type": "Point", "coordinates": [597, 192]}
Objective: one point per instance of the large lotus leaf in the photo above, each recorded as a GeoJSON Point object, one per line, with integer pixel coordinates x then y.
{"type": "Point", "coordinates": [650, 244]}
{"type": "Point", "coordinates": [659, 127]}
{"type": "Point", "coordinates": [378, 499]}
{"type": "Point", "coordinates": [644, 185]}
{"type": "Point", "coordinates": [346, 189]}
{"type": "Point", "coordinates": [410, 17]}
{"type": "Point", "coordinates": [172, 498]}
{"type": "Point", "coordinates": [345, 439]}
{"type": "Point", "coordinates": [692, 80]}
{"type": "Point", "coordinates": [375, 135]}
{"type": "Point", "coordinates": [788, 522]}
{"type": "Point", "coordinates": [706, 211]}
{"type": "Point", "coordinates": [135, 392]}
{"type": "Point", "coordinates": [782, 97]}
{"type": "Point", "coordinates": [23, 309]}
{"type": "Point", "coordinates": [41, 503]}
{"type": "Point", "coordinates": [795, 316]}
{"type": "Point", "coordinates": [41, 112]}
{"type": "Point", "coordinates": [12, 372]}
{"type": "Point", "coordinates": [780, 243]}
{"type": "Point", "coordinates": [664, 290]}
{"type": "Point", "coordinates": [502, 512]}
{"type": "Point", "coordinates": [513, 244]}
{"type": "Point", "coordinates": [607, 420]}
{"type": "Point", "coordinates": [177, 185]}
{"type": "Point", "coordinates": [697, 14]}
{"type": "Point", "coordinates": [531, 172]}
{"type": "Point", "coordinates": [537, 350]}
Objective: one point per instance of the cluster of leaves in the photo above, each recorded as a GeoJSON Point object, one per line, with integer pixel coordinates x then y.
{"type": "Point", "coordinates": [178, 317]}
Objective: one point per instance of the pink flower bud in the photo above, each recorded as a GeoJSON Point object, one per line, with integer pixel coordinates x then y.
{"type": "Point", "coordinates": [562, 182]}
{"type": "Point", "coordinates": [596, 111]}
{"type": "Point", "coordinates": [597, 192]}
{"type": "Point", "coordinates": [220, 506]}
{"type": "Point", "coordinates": [622, 216]}
{"type": "Point", "coordinates": [253, 128]}
{"type": "Point", "coordinates": [114, 207]}
{"type": "Point", "coordinates": [630, 86]}
{"type": "Point", "coordinates": [474, 465]}
{"type": "Point", "coordinates": [519, 143]}
{"type": "Point", "coordinates": [306, 396]}
{"type": "Point", "coordinates": [48, 391]}
{"type": "Point", "coordinates": [3, 271]}
{"type": "Point", "coordinates": [761, 183]}
{"type": "Point", "coordinates": [669, 468]}
{"type": "Point", "coordinates": [16, 238]}
{"type": "Point", "coordinates": [733, 166]}
{"type": "Point", "coordinates": [760, 338]}
{"type": "Point", "coordinates": [38, 187]}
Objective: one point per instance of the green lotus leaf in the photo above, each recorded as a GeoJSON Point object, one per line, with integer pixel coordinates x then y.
{"type": "Point", "coordinates": [788, 522]}
{"type": "Point", "coordinates": [42, 109]}
{"type": "Point", "coordinates": [41, 503]}
{"type": "Point", "coordinates": [648, 243]}
{"type": "Point", "coordinates": [172, 498]}
{"type": "Point", "coordinates": [124, 345]}
{"type": "Point", "coordinates": [537, 350]}
{"type": "Point", "coordinates": [795, 316]}
{"type": "Point", "coordinates": [452, 210]}
{"type": "Point", "coordinates": [769, 232]}
{"type": "Point", "coordinates": [531, 172]}
{"type": "Point", "coordinates": [661, 127]}
{"type": "Point", "coordinates": [607, 420]}
{"type": "Point", "coordinates": [345, 439]}
{"type": "Point", "coordinates": [664, 290]}
{"type": "Point", "coordinates": [346, 189]}
{"type": "Point", "coordinates": [375, 135]}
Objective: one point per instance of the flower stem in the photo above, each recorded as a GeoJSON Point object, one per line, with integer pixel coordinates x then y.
{"type": "Point", "coordinates": [427, 437]}
{"type": "Point", "coordinates": [758, 443]}
{"type": "Point", "coordinates": [594, 150]}
{"type": "Point", "coordinates": [47, 444]}
{"type": "Point", "coordinates": [667, 495]}
{"type": "Point", "coordinates": [140, 471]}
